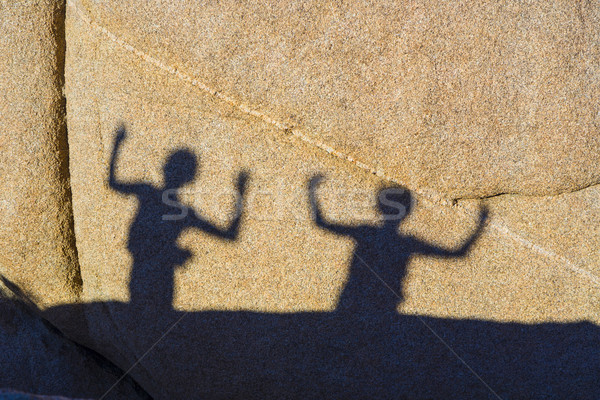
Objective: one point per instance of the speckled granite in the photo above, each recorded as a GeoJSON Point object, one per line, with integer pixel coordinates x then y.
{"type": "Point", "coordinates": [282, 306]}
{"type": "Point", "coordinates": [464, 97]}
{"type": "Point", "coordinates": [38, 248]}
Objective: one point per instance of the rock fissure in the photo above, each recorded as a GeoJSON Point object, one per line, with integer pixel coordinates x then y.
{"type": "Point", "coordinates": [75, 280]}
{"type": "Point", "coordinates": [521, 195]}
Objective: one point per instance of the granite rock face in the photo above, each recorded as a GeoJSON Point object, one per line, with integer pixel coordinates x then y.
{"type": "Point", "coordinates": [183, 101]}
{"type": "Point", "coordinates": [468, 98]}
{"type": "Point", "coordinates": [184, 234]}
{"type": "Point", "coordinates": [36, 232]}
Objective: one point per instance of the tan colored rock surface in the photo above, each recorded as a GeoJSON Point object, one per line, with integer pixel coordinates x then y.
{"type": "Point", "coordinates": [38, 248]}
{"type": "Point", "coordinates": [468, 98]}
{"type": "Point", "coordinates": [286, 308]}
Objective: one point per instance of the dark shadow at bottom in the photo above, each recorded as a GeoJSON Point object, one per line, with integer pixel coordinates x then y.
{"type": "Point", "coordinates": [335, 355]}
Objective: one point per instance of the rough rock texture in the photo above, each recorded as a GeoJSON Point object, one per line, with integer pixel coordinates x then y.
{"type": "Point", "coordinates": [13, 395]}
{"type": "Point", "coordinates": [287, 307]}
{"type": "Point", "coordinates": [38, 248]}
{"type": "Point", "coordinates": [36, 358]}
{"type": "Point", "coordinates": [465, 97]}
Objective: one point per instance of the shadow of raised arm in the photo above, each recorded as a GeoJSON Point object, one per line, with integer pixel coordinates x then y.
{"type": "Point", "coordinates": [428, 249]}
{"type": "Point", "coordinates": [113, 183]}
{"type": "Point", "coordinates": [231, 232]}
{"type": "Point", "coordinates": [316, 210]}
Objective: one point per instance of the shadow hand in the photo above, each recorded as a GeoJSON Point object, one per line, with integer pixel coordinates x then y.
{"type": "Point", "coordinates": [121, 134]}
{"type": "Point", "coordinates": [242, 182]}
{"type": "Point", "coordinates": [314, 182]}
{"type": "Point", "coordinates": [483, 215]}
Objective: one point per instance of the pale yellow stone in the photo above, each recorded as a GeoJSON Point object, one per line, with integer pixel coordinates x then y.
{"type": "Point", "coordinates": [38, 247]}
{"type": "Point", "coordinates": [466, 97]}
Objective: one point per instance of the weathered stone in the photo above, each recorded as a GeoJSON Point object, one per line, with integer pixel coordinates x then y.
{"type": "Point", "coordinates": [468, 98]}
{"type": "Point", "coordinates": [38, 246]}
{"type": "Point", "coordinates": [286, 308]}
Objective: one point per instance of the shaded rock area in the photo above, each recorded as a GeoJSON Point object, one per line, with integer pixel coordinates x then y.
{"type": "Point", "coordinates": [345, 355]}
{"type": "Point", "coordinates": [37, 358]}
{"type": "Point", "coordinates": [14, 395]}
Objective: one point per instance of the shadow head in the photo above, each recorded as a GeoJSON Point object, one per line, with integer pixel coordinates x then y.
{"type": "Point", "coordinates": [180, 168]}
{"type": "Point", "coordinates": [394, 204]}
